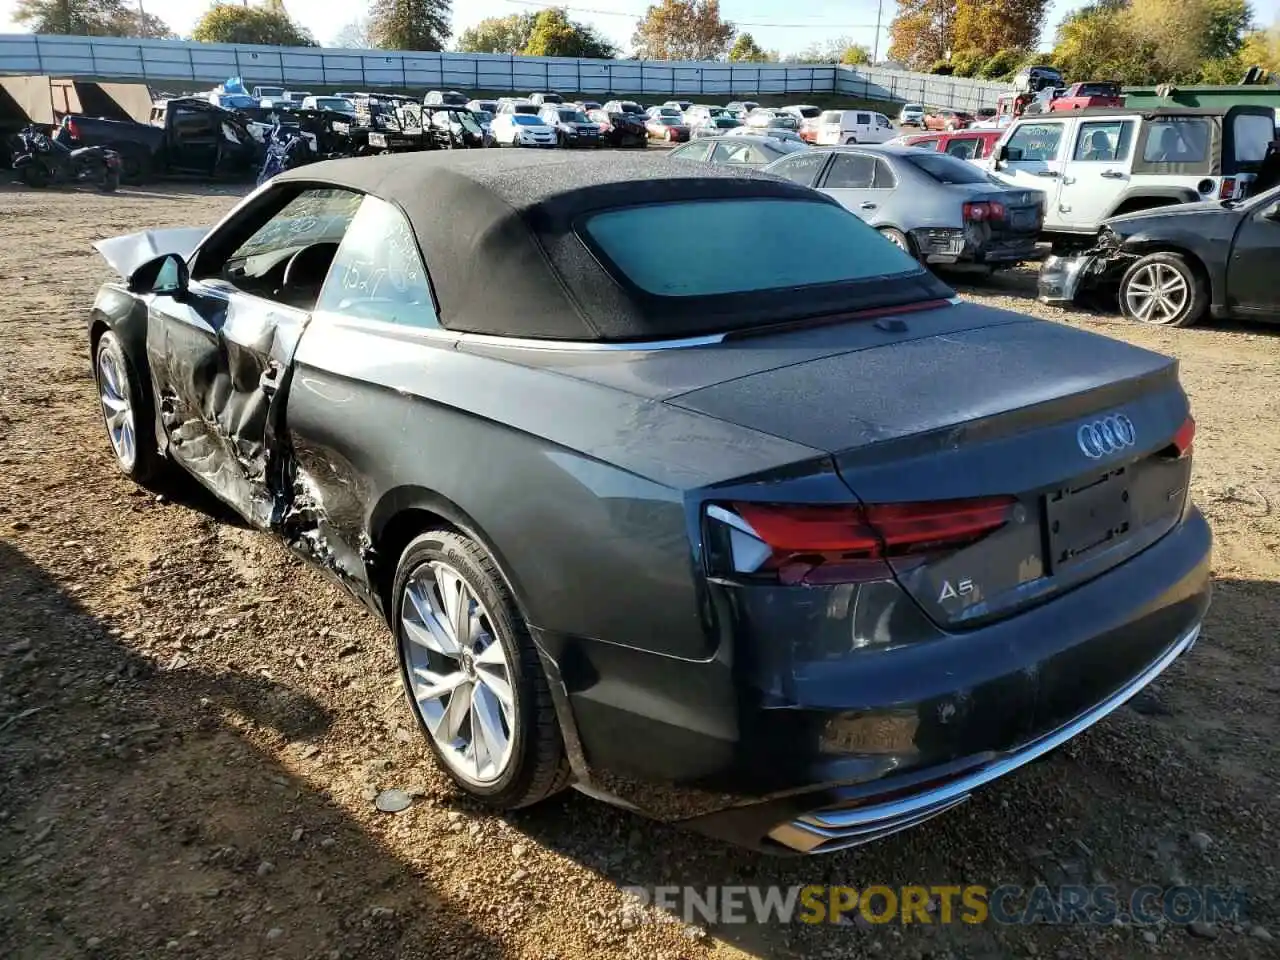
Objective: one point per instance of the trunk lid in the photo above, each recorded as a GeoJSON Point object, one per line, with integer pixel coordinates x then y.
{"type": "Point", "coordinates": [1074, 427]}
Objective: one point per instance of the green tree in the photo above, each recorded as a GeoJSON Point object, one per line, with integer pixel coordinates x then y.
{"type": "Point", "coordinates": [839, 50]}
{"type": "Point", "coordinates": [967, 63]}
{"type": "Point", "coordinates": [1261, 48]}
{"type": "Point", "coordinates": [1001, 65]}
{"type": "Point", "coordinates": [233, 23]}
{"type": "Point", "coordinates": [920, 34]}
{"type": "Point", "coordinates": [746, 50]}
{"type": "Point", "coordinates": [942, 68]}
{"type": "Point", "coordinates": [855, 55]}
{"type": "Point", "coordinates": [88, 18]}
{"type": "Point", "coordinates": [410, 24]}
{"type": "Point", "coordinates": [683, 30]}
{"type": "Point", "coordinates": [555, 35]}
{"type": "Point", "coordinates": [509, 34]}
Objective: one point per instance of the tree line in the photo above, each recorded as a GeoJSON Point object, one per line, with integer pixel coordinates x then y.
{"type": "Point", "coordinates": [669, 30]}
{"type": "Point", "coordinates": [1132, 41]}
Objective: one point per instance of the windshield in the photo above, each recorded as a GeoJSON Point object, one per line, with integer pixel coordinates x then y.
{"type": "Point", "coordinates": [716, 247]}
{"type": "Point", "coordinates": [725, 122]}
{"type": "Point", "coordinates": [572, 116]}
{"type": "Point", "coordinates": [484, 116]}
{"type": "Point", "coordinates": [1099, 90]}
{"type": "Point", "coordinates": [668, 112]}
{"type": "Point", "coordinates": [271, 91]}
{"type": "Point", "coordinates": [948, 169]}
{"type": "Point", "coordinates": [526, 120]}
{"type": "Point", "coordinates": [236, 100]}
{"type": "Point", "coordinates": [809, 112]}
{"type": "Point", "coordinates": [667, 121]}
{"type": "Point", "coordinates": [335, 103]}
{"type": "Point", "coordinates": [630, 106]}
{"type": "Point", "coordinates": [530, 109]}
{"type": "Point", "coordinates": [914, 106]}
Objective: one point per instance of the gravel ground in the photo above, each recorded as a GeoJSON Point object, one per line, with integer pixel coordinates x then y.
{"type": "Point", "coordinates": [193, 725]}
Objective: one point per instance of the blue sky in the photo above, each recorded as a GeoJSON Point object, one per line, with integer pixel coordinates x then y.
{"type": "Point", "coordinates": [806, 23]}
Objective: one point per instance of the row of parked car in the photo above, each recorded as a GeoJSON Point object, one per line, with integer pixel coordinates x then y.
{"type": "Point", "coordinates": [1177, 209]}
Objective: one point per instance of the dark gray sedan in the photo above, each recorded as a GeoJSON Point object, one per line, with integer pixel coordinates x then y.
{"type": "Point", "coordinates": [936, 207]}
{"type": "Point", "coordinates": [675, 483]}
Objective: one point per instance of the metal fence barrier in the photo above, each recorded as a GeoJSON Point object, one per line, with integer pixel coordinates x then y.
{"type": "Point", "coordinates": [182, 61]}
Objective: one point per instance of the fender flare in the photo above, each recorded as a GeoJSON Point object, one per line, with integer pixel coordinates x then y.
{"type": "Point", "coordinates": [1177, 194]}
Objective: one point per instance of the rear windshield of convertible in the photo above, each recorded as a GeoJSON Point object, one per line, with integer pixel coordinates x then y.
{"type": "Point", "coordinates": [716, 247]}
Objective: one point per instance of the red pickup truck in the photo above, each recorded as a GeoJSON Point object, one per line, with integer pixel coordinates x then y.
{"type": "Point", "coordinates": [1095, 93]}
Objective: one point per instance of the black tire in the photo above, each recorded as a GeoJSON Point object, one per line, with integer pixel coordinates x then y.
{"type": "Point", "coordinates": [538, 767]}
{"type": "Point", "coordinates": [135, 166]}
{"type": "Point", "coordinates": [110, 181]}
{"type": "Point", "coordinates": [35, 175]}
{"type": "Point", "coordinates": [1189, 309]}
{"type": "Point", "coordinates": [849, 140]}
{"type": "Point", "coordinates": [147, 467]}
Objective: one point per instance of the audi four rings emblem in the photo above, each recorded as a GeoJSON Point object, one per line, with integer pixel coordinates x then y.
{"type": "Point", "coordinates": [1106, 436]}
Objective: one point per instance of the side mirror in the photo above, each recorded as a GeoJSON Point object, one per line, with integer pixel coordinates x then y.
{"type": "Point", "coordinates": [167, 275]}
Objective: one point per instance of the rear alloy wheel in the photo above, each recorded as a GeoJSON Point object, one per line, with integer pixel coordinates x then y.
{"type": "Point", "coordinates": [1163, 289]}
{"type": "Point", "coordinates": [126, 413]}
{"type": "Point", "coordinates": [472, 674]}
{"type": "Point", "coordinates": [898, 239]}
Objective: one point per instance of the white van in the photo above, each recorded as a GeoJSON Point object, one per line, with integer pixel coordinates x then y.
{"type": "Point", "coordinates": [853, 126]}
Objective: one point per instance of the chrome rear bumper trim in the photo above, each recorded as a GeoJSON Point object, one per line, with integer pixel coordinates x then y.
{"type": "Point", "coordinates": [823, 831]}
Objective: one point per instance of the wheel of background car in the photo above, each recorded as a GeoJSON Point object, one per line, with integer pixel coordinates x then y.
{"type": "Point", "coordinates": [851, 140]}
{"type": "Point", "coordinates": [110, 181]}
{"type": "Point", "coordinates": [135, 165]}
{"type": "Point", "coordinates": [35, 175]}
{"type": "Point", "coordinates": [472, 674]}
{"type": "Point", "coordinates": [1165, 290]}
{"type": "Point", "coordinates": [127, 412]}
{"type": "Point", "coordinates": [897, 238]}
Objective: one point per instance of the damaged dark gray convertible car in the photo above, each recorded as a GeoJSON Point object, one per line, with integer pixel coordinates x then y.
{"type": "Point", "coordinates": [678, 484]}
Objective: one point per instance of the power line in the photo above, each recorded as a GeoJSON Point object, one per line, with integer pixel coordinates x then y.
{"type": "Point", "coordinates": [817, 24]}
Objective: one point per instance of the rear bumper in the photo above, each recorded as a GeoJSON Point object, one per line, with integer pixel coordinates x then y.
{"type": "Point", "coordinates": [958, 245]}
{"type": "Point", "coordinates": [789, 741]}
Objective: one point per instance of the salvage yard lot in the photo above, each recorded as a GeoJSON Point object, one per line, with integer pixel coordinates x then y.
{"type": "Point", "coordinates": [193, 725]}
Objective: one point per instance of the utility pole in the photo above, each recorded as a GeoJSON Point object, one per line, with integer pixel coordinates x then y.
{"type": "Point", "coordinates": [875, 53]}
{"type": "Point", "coordinates": [142, 21]}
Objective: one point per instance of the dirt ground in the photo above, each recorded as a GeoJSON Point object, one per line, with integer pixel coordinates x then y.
{"type": "Point", "coordinates": [193, 724]}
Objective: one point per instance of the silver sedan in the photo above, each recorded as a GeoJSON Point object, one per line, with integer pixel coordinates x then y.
{"type": "Point", "coordinates": [937, 207]}
{"type": "Point", "coordinates": [738, 150]}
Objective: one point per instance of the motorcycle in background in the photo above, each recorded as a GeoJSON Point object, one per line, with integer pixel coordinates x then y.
{"type": "Point", "coordinates": [44, 161]}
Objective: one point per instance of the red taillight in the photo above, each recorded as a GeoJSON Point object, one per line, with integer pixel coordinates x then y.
{"type": "Point", "coordinates": [1227, 189]}
{"type": "Point", "coordinates": [845, 543]}
{"type": "Point", "coordinates": [981, 210]}
{"type": "Point", "coordinates": [72, 129]}
{"type": "Point", "coordinates": [1185, 437]}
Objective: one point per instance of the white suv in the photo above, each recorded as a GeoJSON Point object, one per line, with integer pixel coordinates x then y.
{"type": "Point", "coordinates": [1097, 164]}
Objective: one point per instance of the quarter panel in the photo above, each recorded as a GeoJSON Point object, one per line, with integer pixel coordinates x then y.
{"type": "Point", "coordinates": [580, 489]}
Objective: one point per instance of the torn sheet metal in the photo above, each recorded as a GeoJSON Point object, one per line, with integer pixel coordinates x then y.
{"type": "Point", "coordinates": [124, 254]}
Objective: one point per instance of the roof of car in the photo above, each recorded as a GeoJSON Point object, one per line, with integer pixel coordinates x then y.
{"type": "Point", "coordinates": [497, 232]}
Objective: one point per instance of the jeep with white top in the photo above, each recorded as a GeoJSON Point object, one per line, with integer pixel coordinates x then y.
{"type": "Point", "coordinates": [1095, 164]}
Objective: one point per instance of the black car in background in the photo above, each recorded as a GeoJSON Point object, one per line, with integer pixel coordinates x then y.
{"type": "Point", "coordinates": [620, 129]}
{"type": "Point", "coordinates": [1174, 265]}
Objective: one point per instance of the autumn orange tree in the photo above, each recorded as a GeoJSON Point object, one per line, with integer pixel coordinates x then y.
{"type": "Point", "coordinates": [683, 30]}
{"type": "Point", "coordinates": [926, 31]}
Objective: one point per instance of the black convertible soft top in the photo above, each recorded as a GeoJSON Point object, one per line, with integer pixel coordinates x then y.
{"type": "Point", "coordinates": [496, 230]}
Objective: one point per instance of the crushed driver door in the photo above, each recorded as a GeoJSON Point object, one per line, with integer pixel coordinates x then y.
{"type": "Point", "coordinates": [229, 340]}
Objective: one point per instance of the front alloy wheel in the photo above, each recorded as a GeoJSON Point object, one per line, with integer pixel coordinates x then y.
{"type": "Point", "coordinates": [472, 673]}
{"type": "Point", "coordinates": [126, 412]}
{"type": "Point", "coordinates": [1163, 289]}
